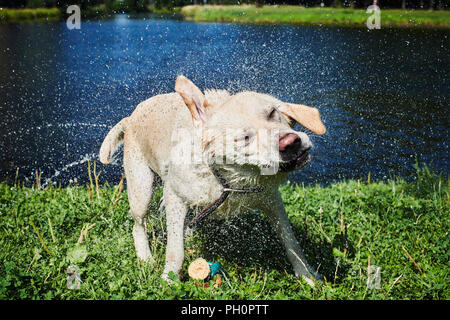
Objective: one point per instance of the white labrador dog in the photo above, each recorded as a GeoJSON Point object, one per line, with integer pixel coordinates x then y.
{"type": "Point", "coordinates": [220, 152]}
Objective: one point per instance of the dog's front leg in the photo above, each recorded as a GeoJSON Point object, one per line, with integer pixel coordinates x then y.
{"type": "Point", "coordinates": [273, 209]}
{"type": "Point", "coordinates": [175, 215]}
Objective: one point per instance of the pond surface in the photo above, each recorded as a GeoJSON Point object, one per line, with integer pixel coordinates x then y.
{"type": "Point", "coordinates": [384, 95]}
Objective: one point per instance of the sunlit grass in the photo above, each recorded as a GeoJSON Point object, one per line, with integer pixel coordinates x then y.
{"type": "Point", "coordinates": [325, 16]}
{"type": "Point", "coordinates": [345, 228]}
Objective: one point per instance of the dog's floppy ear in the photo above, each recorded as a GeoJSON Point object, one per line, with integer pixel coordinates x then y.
{"type": "Point", "coordinates": [193, 98]}
{"type": "Point", "coordinates": [306, 116]}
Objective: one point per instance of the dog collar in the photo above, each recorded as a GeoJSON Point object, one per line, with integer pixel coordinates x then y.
{"type": "Point", "coordinates": [225, 192]}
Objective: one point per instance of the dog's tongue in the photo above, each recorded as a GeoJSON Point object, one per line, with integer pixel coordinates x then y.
{"type": "Point", "coordinates": [287, 140]}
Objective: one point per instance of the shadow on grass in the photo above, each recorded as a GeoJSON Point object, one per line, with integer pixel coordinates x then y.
{"type": "Point", "coordinates": [248, 242]}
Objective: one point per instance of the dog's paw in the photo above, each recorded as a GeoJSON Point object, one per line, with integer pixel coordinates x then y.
{"type": "Point", "coordinates": [318, 276]}
{"type": "Point", "coordinates": [170, 277]}
{"type": "Point", "coordinates": [166, 278]}
{"type": "Point", "coordinates": [145, 256]}
{"type": "Point", "coordinates": [147, 261]}
{"type": "Point", "coordinates": [311, 279]}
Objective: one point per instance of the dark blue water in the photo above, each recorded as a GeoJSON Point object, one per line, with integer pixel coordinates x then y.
{"type": "Point", "coordinates": [384, 96]}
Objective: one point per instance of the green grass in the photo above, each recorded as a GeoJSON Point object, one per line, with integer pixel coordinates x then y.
{"type": "Point", "coordinates": [21, 15]}
{"type": "Point", "coordinates": [324, 16]}
{"type": "Point", "coordinates": [345, 227]}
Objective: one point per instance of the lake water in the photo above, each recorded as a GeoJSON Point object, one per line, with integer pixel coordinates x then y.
{"type": "Point", "coordinates": [384, 95]}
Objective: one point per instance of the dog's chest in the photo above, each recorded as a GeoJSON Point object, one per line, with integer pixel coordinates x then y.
{"type": "Point", "coordinates": [236, 204]}
{"type": "Point", "coordinates": [195, 184]}
{"type": "Point", "coordinates": [200, 188]}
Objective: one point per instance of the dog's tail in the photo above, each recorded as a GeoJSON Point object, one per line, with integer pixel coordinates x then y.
{"type": "Point", "coordinates": [112, 142]}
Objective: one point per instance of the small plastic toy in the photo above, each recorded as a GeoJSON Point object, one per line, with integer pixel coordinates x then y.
{"type": "Point", "coordinates": [200, 269]}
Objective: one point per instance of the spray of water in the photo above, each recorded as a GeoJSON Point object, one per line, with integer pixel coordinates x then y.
{"type": "Point", "coordinates": [83, 159]}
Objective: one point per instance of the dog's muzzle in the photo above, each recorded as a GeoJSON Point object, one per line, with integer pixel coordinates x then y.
{"type": "Point", "coordinates": [295, 164]}
{"type": "Point", "coordinates": [293, 155]}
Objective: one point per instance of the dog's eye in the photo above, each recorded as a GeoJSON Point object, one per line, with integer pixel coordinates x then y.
{"type": "Point", "coordinates": [272, 114]}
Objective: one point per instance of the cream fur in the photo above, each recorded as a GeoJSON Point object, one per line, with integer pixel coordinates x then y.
{"type": "Point", "coordinates": [182, 136]}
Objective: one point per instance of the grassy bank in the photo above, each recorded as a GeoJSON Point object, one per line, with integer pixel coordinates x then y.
{"type": "Point", "coordinates": [345, 228]}
{"type": "Point", "coordinates": [322, 16]}
{"type": "Point", "coordinates": [22, 15]}
{"type": "Point", "coordinates": [251, 14]}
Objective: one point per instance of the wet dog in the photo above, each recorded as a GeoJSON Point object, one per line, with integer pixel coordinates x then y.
{"type": "Point", "coordinates": [213, 150]}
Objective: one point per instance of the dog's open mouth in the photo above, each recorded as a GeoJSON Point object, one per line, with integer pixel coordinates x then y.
{"type": "Point", "coordinates": [297, 163]}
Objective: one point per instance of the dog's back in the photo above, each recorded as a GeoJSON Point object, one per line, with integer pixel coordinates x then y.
{"type": "Point", "coordinates": [148, 128]}
{"type": "Point", "coordinates": [151, 125]}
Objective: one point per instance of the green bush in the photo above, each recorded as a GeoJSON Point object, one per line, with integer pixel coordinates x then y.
{"type": "Point", "coordinates": [19, 15]}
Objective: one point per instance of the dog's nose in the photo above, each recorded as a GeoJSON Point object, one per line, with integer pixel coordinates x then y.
{"type": "Point", "coordinates": [290, 143]}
